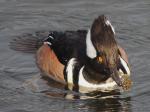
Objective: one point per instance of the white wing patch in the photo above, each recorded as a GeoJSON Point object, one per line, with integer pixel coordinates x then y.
{"type": "Point", "coordinates": [51, 37]}
{"type": "Point", "coordinates": [48, 43]}
{"type": "Point", "coordinates": [90, 50]}
{"type": "Point", "coordinates": [109, 24]}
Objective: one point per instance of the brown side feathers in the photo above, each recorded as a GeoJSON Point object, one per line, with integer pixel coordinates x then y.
{"type": "Point", "coordinates": [48, 63]}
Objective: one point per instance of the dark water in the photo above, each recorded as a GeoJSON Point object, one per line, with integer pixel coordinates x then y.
{"type": "Point", "coordinates": [22, 90]}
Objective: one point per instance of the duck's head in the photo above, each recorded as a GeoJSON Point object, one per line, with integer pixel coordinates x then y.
{"type": "Point", "coordinates": [102, 49]}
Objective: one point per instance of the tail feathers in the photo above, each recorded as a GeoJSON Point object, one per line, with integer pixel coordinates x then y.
{"type": "Point", "coordinates": [28, 43]}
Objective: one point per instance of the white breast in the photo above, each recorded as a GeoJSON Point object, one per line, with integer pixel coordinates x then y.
{"type": "Point", "coordinates": [69, 70]}
{"type": "Point", "coordinates": [85, 86]}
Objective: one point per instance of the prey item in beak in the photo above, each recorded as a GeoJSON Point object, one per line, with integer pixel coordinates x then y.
{"type": "Point", "coordinates": [126, 81]}
{"type": "Point", "coordinates": [122, 80]}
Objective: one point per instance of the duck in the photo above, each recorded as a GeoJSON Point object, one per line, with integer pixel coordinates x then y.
{"type": "Point", "coordinates": [84, 60]}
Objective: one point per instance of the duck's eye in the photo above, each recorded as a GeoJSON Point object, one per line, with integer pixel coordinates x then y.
{"type": "Point", "coordinates": [100, 59]}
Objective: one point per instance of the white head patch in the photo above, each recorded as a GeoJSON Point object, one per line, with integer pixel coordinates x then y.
{"type": "Point", "coordinates": [90, 50]}
{"type": "Point", "coordinates": [109, 24]}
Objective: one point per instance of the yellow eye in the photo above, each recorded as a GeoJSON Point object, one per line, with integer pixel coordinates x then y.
{"type": "Point", "coordinates": [100, 60]}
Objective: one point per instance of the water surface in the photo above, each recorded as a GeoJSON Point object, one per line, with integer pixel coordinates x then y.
{"type": "Point", "coordinates": [22, 90]}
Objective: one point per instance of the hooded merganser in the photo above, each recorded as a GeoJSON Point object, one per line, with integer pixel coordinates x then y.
{"type": "Point", "coordinates": [84, 60]}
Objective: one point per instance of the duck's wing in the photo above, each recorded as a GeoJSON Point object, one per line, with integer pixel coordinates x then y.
{"type": "Point", "coordinates": [57, 50]}
{"type": "Point", "coordinates": [65, 44]}
{"type": "Point", "coordinates": [51, 59]}
{"type": "Point", "coordinates": [28, 43]}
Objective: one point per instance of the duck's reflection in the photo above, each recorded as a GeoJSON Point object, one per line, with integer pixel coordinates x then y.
{"type": "Point", "coordinates": [95, 101]}
{"type": "Point", "coordinates": [109, 105]}
{"type": "Point", "coordinates": [92, 102]}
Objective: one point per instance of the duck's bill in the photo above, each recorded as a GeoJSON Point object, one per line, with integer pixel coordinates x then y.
{"type": "Point", "coordinates": [123, 81]}
{"type": "Point", "coordinates": [115, 76]}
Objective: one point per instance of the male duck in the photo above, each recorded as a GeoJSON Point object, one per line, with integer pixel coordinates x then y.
{"type": "Point", "coordinates": [85, 60]}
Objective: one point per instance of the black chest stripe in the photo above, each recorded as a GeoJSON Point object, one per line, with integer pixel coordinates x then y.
{"type": "Point", "coordinates": [65, 73]}
{"type": "Point", "coordinates": [76, 77]}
